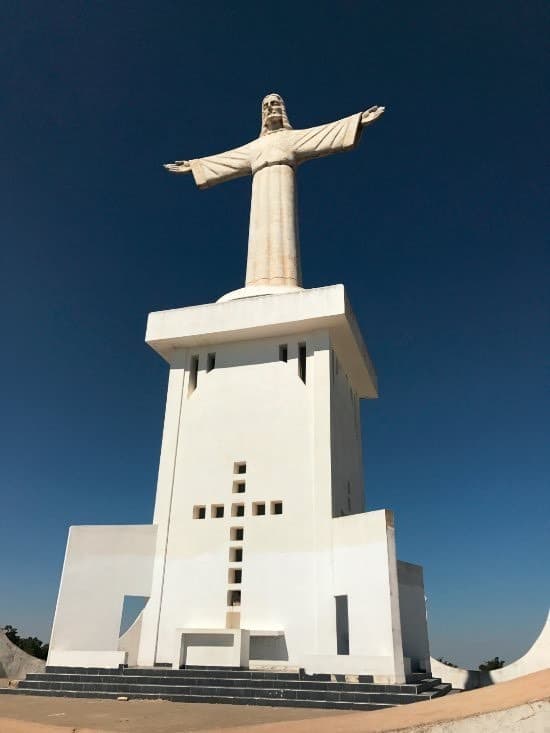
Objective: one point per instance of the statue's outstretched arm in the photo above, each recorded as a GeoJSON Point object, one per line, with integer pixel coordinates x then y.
{"type": "Point", "coordinates": [333, 137]}
{"type": "Point", "coordinates": [214, 169]}
{"type": "Point", "coordinates": [371, 114]}
{"type": "Point", "coordinates": [178, 166]}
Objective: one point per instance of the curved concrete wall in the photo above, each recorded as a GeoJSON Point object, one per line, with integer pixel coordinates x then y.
{"type": "Point", "coordinates": [14, 662]}
{"type": "Point", "coordinates": [537, 658]}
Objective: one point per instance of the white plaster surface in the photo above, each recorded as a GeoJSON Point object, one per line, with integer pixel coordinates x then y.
{"type": "Point", "coordinates": [211, 647]}
{"type": "Point", "coordinates": [107, 658]}
{"type": "Point", "coordinates": [268, 316]}
{"type": "Point", "coordinates": [129, 641]}
{"type": "Point", "coordinates": [102, 565]}
{"type": "Point", "coordinates": [253, 291]}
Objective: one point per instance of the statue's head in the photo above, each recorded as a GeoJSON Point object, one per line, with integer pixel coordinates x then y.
{"type": "Point", "coordinates": [274, 114]}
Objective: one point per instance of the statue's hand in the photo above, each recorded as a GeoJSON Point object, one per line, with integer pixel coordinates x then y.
{"type": "Point", "coordinates": [371, 114]}
{"type": "Point", "coordinates": [179, 166]}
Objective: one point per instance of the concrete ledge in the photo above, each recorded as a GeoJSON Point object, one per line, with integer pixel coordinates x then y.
{"type": "Point", "coordinates": [107, 659]}
{"type": "Point", "coordinates": [267, 316]}
{"type": "Point", "coordinates": [380, 668]}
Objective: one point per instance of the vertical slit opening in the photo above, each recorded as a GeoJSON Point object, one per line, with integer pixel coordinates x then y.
{"type": "Point", "coordinates": [302, 362]}
{"type": "Point", "coordinates": [193, 374]}
{"type": "Point", "coordinates": [342, 625]}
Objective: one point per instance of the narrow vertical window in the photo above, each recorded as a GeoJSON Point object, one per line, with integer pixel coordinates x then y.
{"type": "Point", "coordinates": [302, 362]}
{"type": "Point", "coordinates": [342, 625]}
{"type": "Point", "coordinates": [283, 352]}
{"type": "Point", "coordinates": [193, 374]}
{"type": "Point", "coordinates": [210, 362]}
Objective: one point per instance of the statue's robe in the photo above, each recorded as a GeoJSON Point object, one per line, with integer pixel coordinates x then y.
{"type": "Point", "coordinates": [271, 159]}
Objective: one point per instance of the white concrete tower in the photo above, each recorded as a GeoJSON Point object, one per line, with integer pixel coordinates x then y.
{"type": "Point", "coordinates": [261, 551]}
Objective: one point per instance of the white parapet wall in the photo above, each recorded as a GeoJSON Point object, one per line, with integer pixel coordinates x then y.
{"type": "Point", "coordinates": [102, 565]}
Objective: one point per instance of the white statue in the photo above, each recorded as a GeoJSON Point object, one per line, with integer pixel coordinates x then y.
{"type": "Point", "coordinates": [271, 159]}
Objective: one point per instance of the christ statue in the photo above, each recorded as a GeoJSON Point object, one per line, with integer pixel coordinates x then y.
{"type": "Point", "coordinates": [271, 159]}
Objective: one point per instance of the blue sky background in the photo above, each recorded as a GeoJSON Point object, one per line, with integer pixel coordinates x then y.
{"type": "Point", "coordinates": [435, 224]}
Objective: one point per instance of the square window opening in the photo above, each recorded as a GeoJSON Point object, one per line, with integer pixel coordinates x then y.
{"type": "Point", "coordinates": [217, 511]}
{"type": "Point", "coordinates": [239, 487]}
{"type": "Point", "coordinates": [239, 467]}
{"type": "Point", "coordinates": [235, 575]}
{"type": "Point", "coordinates": [276, 507]}
{"type": "Point", "coordinates": [235, 554]}
{"type": "Point", "coordinates": [234, 598]}
{"type": "Point", "coordinates": [199, 512]}
{"type": "Point", "coordinates": [258, 508]}
{"type": "Point", "coordinates": [237, 510]}
{"type": "Point", "coordinates": [236, 534]}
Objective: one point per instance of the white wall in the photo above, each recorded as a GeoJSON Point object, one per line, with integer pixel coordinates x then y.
{"type": "Point", "coordinates": [254, 408]}
{"type": "Point", "coordinates": [365, 569]}
{"type": "Point", "coordinates": [102, 565]}
{"type": "Point", "coordinates": [348, 496]}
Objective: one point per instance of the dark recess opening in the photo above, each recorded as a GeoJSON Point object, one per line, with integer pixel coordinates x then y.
{"type": "Point", "coordinates": [302, 362]}
{"type": "Point", "coordinates": [342, 625]}
{"type": "Point", "coordinates": [193, 373]}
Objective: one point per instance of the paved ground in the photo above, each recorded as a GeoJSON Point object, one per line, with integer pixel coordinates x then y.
{"type": "Point", "coordinates": [61, 715]}
{"type": "Point", "coordinates": [17, 713]}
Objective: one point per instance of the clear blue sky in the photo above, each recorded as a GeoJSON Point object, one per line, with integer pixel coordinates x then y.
{"type": "Point", "coordinates": [435, 224]}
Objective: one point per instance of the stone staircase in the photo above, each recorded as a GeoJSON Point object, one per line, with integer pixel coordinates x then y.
{"type": "Point", "coordinates": [229, 685]}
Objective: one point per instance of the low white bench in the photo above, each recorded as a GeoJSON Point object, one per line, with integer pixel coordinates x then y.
{"type": "Point", "coordinates": [211, 647]}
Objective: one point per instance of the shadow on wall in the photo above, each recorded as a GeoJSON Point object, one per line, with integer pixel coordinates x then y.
{"type": "Point", "coordinates": [537, 658]}
{"type": "Point", "coordinates": [268, 648]}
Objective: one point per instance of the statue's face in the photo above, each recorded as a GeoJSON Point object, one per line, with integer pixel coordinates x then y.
{"type": "Point", "coordinates": [272, 111]}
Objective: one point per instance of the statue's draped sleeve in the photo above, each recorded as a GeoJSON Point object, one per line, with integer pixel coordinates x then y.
{"type": "Point", "coordinates": [334, 137]}
{"type": "Point", "coordinates": [216, 169]}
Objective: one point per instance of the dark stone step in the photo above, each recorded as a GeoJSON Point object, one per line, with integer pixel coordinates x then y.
{"type": "Point", "coordinates": [237, 681]}
{"type": "Point", "coordinates": [187, 672]}
{"type": "Point", "coordinates": [161, 690]}
{"type": "Point", "coordinates": [216, 699]}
